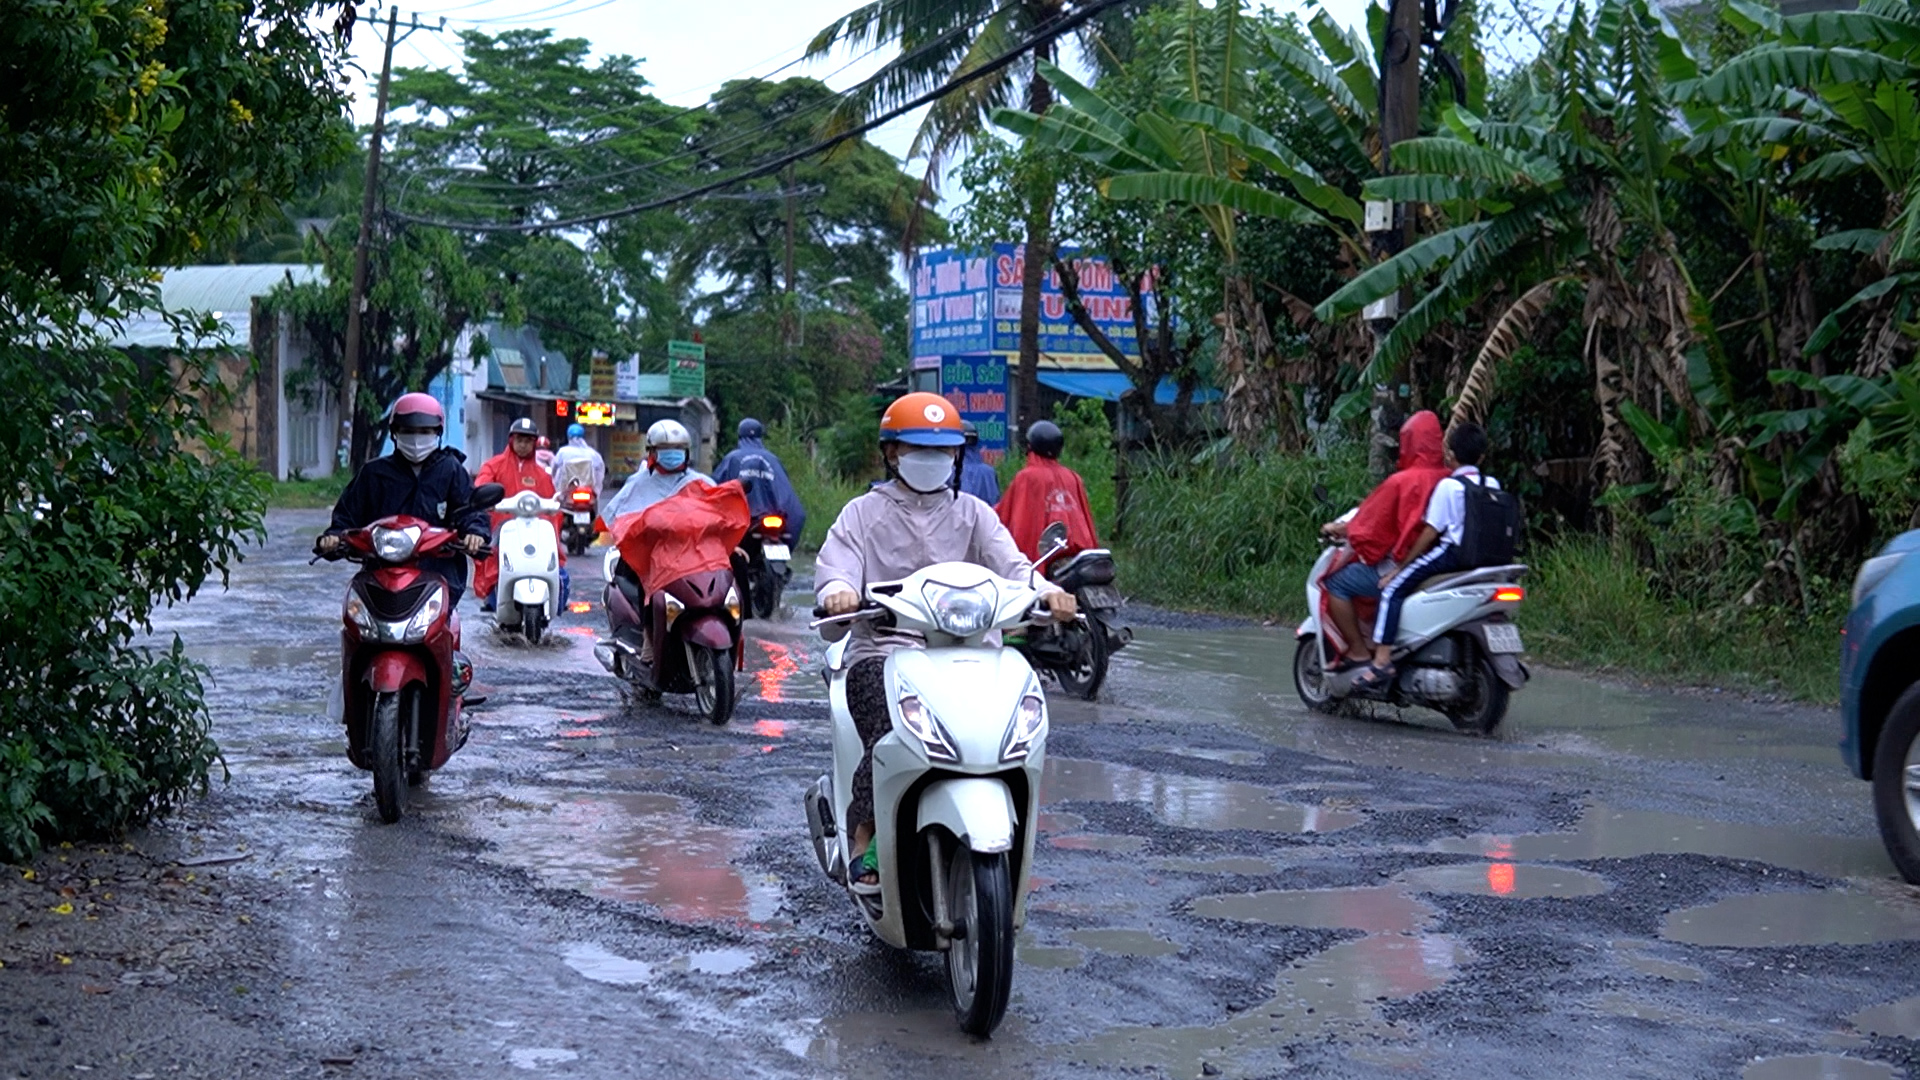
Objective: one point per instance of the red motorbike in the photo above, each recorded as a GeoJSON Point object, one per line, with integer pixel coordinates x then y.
{"type": "Point", "coordinates": [578, 509]}
{"type": "Point", "coordinates": [402, 677]}
{"type": "Point", "coordinates": [693, 618]}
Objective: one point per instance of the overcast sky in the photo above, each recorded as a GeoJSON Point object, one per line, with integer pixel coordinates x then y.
{"type": "Point", "coordinates": [687, 48]}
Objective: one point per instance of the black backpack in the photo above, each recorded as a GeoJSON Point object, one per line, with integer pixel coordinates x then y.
{"type": "Point", "coordinates": [1490, 533]}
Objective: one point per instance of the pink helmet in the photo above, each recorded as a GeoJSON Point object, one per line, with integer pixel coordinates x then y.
{"type": "Point", "coordinates": [420, 411]}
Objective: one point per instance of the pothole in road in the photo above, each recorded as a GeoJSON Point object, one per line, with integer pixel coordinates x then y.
{"type": "Point", "coordinates": [1818, 1067]}
{"type": "Point", "coordinates": [1605, 833]}
{"type": "Point", "coordinates": [1241, 865]}
{"type": "Point", "coordinates": [1517, 881]}
{"type": "Point", "coordinates": [1188, 802]}
{"type": "Point", "coordinates": [1379, 909]}
{"type": "Point", "coordinates": [1125, 942]}
{"type": "Point", "coordinates": [1793, 918]}
{"type": "Point", "coordinates": [1894, 1020]}
{"type": "Point", "coordinates": [1224, 757]}
{"type": "Point", "coordinates": [1097, 842]}
{"type": "Point", "coordinates": [631, 846]}
{"type": "Point", "coordinates": [540, 1057]}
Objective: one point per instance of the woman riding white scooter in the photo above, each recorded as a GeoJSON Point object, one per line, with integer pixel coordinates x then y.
{"type": "Point", "coordinates": [913, 521]}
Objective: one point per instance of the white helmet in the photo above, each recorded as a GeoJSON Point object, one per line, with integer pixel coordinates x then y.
{"type": "Point", "coordinates": [668, 433]}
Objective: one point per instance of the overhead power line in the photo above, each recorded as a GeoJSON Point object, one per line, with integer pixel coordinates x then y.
{"type": "Point", "coordinates": [1046, 32]}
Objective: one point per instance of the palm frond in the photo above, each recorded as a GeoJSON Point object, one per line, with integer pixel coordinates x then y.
{"type": "Point", "coordinates": [1476, 393]}
{"type": "Point", "coordinates": [1388, 276]}
{"type": "Point", "coordinates": [1260, 146]}
{"type": "Point", "coordinates": [1756, 75]}
{"type": "Point", "coordinates": [1202, 190]}
{"type": "Point", "coordinates": [1467, 161]}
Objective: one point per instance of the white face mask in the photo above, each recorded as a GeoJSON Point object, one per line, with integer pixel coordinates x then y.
{"type": "Point", "coordinates": [925, 471]}
{"type": "Point", "coordinates": [416, 446]}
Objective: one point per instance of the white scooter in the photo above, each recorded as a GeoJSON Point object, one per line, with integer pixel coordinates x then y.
{"type": "Point", "coordinates": [1457, 651]}
{"type": "Point", "coordinates": [529, 588]}
{"type": "Point", "coordinates": [956, 783]}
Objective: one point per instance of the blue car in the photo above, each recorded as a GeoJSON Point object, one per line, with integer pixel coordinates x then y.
{"type": "Point", "coordinates": [1880, 694]}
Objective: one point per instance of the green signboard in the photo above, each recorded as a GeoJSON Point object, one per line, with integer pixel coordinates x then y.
{"type": "Point", "coordinates": [686, 368]}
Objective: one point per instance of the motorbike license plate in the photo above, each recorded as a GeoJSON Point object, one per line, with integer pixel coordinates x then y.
{"type": "Point", "coordinates": [1503, 638]}
{"type": "Point", "coordinates": [777, 553]}
{"type": "Point", "coordinates": [1100, 597]}
{"type": "Point", "coordinates": [581, 517]}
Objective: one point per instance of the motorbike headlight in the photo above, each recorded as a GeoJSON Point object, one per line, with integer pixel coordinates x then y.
{"type": "Point", "coordinates": [733, 602]}
{"type": "Point", "coordinates": [422, 620]}
{"type": "Point", "coordinates": [962, 612]}
{"type": "Point", "coordinates": [674, 608]}
{"type": "Point", "coordinates": [355, 611]}
{"type": "Point", "coordinates": [1873, 572]}
{"type": "Point", "coordinates": [396, 545]}
{"type": "Point", "coordinates": [529, 504]}
{"type": "Point", "coordinates": [921, 722]}
{"type": "Point", "coordinates": [1028, 724]}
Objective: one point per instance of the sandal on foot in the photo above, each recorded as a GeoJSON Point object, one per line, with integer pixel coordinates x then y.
{"type": "Point", "coordinates": [1344, 665]}
{"type": "Point", "coordinates": [1375, 679]}
{"type": "Point", "coordinates": [867, 863]}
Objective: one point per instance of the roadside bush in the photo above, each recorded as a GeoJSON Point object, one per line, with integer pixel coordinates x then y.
{"type": "Point", "coordinates": [821, 490]}
{"type": "Point", "coordinates": [1234, 533]}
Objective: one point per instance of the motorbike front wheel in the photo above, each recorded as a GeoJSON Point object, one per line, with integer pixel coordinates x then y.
{"type": "Point", "coordinates": [1896, 784]}
{"type": "Point", "coordinates": [389, 772]}
{"type": "Point", "coordinates": [1089, 670]}
{"type": "Point", "coordinates": [712, 682]}
{"type": "Point", "coordinates": [533, 622]}
{"type": "Point", "coordinates": [1310, 677]}
{"type": "Point", "coordinates": [980, 957]}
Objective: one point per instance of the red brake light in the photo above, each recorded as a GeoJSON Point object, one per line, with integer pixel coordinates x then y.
{"type": "Point", "coordinates": [1509, 594]}
{"type": "Point", "coordinates": [582, 496]}
{"type": "Point", "coordinates": [772, 521]}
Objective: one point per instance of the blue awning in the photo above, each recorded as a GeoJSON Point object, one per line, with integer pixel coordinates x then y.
{"type": "Point", "coordinates": [1109, 385]}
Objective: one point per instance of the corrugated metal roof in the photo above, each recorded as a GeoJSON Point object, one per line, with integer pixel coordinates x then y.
{"type": "Point", "coordinates": [226, 292]}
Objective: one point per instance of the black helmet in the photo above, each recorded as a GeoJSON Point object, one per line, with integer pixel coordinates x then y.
{"type": "Point", "coordinates": [972, 432]}
{"type": "Point", "coordinates": [1044, 438]}
{"type": "Point", "coordinates": [752, 429]}
{"type": "Point", "coordinates": [523, 426]}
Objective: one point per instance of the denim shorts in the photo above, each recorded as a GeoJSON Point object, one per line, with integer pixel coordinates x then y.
{"type": "Point", "coordinates": [1355, 581]}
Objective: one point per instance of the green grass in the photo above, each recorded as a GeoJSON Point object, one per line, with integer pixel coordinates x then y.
{"type": "Point", "coordinates": [821, 491]}
{"type": "Point", "coordinates": [307, 494]}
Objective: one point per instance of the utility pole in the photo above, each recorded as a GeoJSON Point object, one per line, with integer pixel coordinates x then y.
{"type": "Point", "coordinates": [1390, 225]}
{"type": "Point", "coordinates": [357, 297]}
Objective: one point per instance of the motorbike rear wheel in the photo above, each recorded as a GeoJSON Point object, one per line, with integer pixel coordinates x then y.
{"type": "Point", "coordinates": [1089, 670]}
{"type": "Point", "coordinates": [1310, 677]}
{"type": "Point", "coordinates": [577, 542]}
{"type": "Point", "coordinates": [389, 772]}
{"type": "Point", "coordinates": [1485, 703]}
{"type": "Point", "coordinates": [712, 682]}
{"type": "Point", "coordinates": [533, 622]}
{"type": "Point", "coordinates": [765, 587]}
{"type": "Point", "coordinates": [980, 957]}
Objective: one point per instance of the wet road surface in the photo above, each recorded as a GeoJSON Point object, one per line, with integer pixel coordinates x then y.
{"type": "Point", "coordinates": [1624, 884]}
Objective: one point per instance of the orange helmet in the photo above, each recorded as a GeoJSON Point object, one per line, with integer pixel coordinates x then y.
{"type": "Point", "coordinates": [922, 419]}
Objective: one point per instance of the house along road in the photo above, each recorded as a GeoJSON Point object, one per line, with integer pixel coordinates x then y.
{"type": "Point", "coordinates": [1625, 883]}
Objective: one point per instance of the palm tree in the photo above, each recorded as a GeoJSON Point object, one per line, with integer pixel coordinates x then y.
{"type": "Point", "coordinates": [940, 41]}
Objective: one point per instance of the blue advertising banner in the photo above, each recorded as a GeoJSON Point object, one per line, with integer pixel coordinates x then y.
{"type": "Point", "coordinates": [977, 386]}
{"type": "Point", "coordinates": [1105, 298]}
{"type": "Point", "coordinates": [952, 303]}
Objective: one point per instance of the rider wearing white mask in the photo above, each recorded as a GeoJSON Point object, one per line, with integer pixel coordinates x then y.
{"type": "Point", "coordinates": [913, 521]}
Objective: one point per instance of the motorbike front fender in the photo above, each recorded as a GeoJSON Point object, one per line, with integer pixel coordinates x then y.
{"type": "Point", "coordinates": [530, 591]}
{"type": "Point", "coordinates": [708, 630]}
{"type": "Point", "coordinates": [977, 809]}
{"type": "Point", "coordinates": [1309, 626]}
{"type": "Point", "coordinates": [394, 669]}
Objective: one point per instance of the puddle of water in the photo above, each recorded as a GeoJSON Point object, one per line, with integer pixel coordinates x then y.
{"type": "Point", "coordinates": [655, 747]}
{"type": "Point", "coordinates": [716, 962]}
{"type": "Point", "coordinates": [1188, 802]}
{"type": "Point", "coordinates": [1605, 833]}
{"type": "Point", "coordinates": [632, 846]}
{"type": "Point", "coordinates": [594, 962]}
{"type": "Point", "coordinates": [1243, 865]}
{"type": "Point", "coordinates": [1383, 909]}
{"type": "Point", "coordinates": [1224, 757]}
{"type": "Point", "coordinates": [1046, 956]}
{"type": "Point", "coordinates": [1793, 918]}
{"type": "Point", "coordinates": [1334, 993]}
{"type": "Point", "coordinates": [780, 674]}
{"type": "Point", "coordinates": [1630, 955]}
{"type": "Point", "coordinates": [540, 1057]}
{"type": "Point", "coordinates": [1894, 1020]}
{"type": "Point", "coordinates": [1817, 1067]}
{"type": "Point", "coordinates": [1098, 842]}
{"type": "Point", "coordinates": [1517, 881]}
{"type": "Point", "coordinates": [1125, 942]}
{"type": "Point", "coordinates": [1059, 821]}
{"type": "Point", "coordinates": [265, 656]}
{"type": "Point", "coordinates": [632, 777]}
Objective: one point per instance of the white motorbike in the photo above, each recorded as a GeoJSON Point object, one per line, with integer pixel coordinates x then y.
{"type": "Point", "coordinates": [1457, 650]}
{"type": "Point", "coordinates": [956, 783]}
{"type": "Point", "coordinates": [529, 550]}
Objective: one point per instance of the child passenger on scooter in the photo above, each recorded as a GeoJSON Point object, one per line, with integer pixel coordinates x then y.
{"type": "Point", "coordinates": [914, 520]}
{"type": "Point", "coordinates": [1433, 549]}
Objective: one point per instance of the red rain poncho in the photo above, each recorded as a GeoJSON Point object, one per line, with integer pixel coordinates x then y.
{"type": "Point", "coordinates": [1043, 492]}
{"type": "Point", "coordinates": [686, 533]}
{"type": "Point", "coordinates": [1390, 518]}
{"type": "Point", "coordinates": [516, 474]}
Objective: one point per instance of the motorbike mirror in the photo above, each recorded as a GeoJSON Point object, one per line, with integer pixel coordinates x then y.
{"type": "Point", "coordinates": [488, 494]}
{"type": "Point", "coordinates": [1054, 535]}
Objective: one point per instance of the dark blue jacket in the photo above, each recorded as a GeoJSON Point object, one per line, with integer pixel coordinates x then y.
{"type": "Point", "coordinates": [768, 489]}
{"type": "Point", "coordinates": [440, 487]}
{"type": "Point", "coordinates": [978, 479]}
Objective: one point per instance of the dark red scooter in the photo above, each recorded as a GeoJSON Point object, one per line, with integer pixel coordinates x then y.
{"type": "Point", "coordinates": [402, 677]}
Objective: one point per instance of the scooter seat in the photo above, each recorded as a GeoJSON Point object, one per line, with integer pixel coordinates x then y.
{"type": "Point", "coordinates": [1439, 581]}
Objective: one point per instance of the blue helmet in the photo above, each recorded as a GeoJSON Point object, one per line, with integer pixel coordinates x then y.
{"type": "Point", "coordinates": [575, 431]}
{"type": "Point", "coordinates": [752, 429]}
